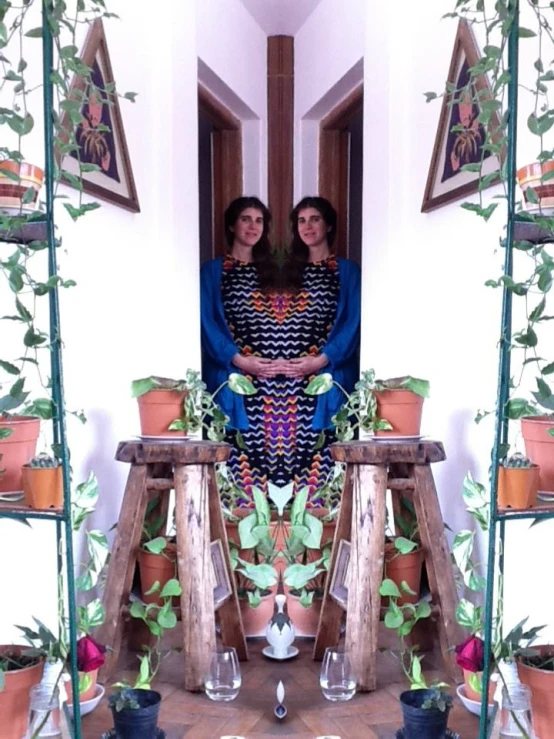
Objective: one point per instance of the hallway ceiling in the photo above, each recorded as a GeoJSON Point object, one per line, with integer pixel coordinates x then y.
{"type": "Point", "coordinates": [280, 16]}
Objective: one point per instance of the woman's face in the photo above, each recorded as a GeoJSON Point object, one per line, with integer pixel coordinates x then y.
{"type": "Point", "coordinates": [249, 227]}
{"type": "Point", "coordinates": [312, 229]}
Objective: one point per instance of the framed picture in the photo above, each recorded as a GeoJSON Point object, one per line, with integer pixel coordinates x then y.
{"type": "Point", "coordinates": [338, 590]}
{"type": "Point", "coordinates": [100, 136]}
{"type": "Point", "coordinates": [453, 149]}
{"type": "Point", "coordinates": [222, 587]}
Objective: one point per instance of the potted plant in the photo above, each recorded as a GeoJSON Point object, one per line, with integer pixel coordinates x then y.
{"type": "Point", "coordinates": [43, 482]}
{"type": "Point", "coordinates": [536, 670]}
{"type": "Point", "coordinates": [20, 670]}
{"type": "Point", "coordinates": [538, 435]}
{"type": "Point", "coordinates": [157, 555]}
{"type": "Point", "coordinates": [18, 444]}
{"type": "Point", "coordinates": [176, 407]}
{"type": "Point", "coordinates": [403, 554]}
{"type": "Point", "coordinates": [379, 407]}
{"type": "Point", "coordinates": [425, 708]}
{"type": "Point", "coordinates": [135, 709]}
{"type": "Point", "coordinates": [518, 482]}
{"type": "Point", "coordinates": [252, 536]}
{"type": "Point", "coordinates": [20, 183]}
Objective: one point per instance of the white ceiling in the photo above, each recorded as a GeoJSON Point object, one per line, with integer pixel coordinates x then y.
{"type": "Point", "coordinates": [280, 17]}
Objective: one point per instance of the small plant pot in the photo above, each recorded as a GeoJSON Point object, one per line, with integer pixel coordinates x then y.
{"type": "Point", "coordinates": [404, 568]}
{"type": "Point", "coordinates": [157, 410]}
{"type": "Point", "coordinates": [255, 620]}
{"type": "Point", "coordinates": [43, 487]}
{"type": "Point", "coordinates": [15, 697]}
{"type": "Point", "coordinates": [518, 486]}
{"type": "Point", "coordinates": [305, 620]}
{"type": "Point", "coordinates": [17, 449]}
{"type": "Point", "coordinates": [139, 723]}
{"type": "Point", "coordinates": [471, 693]}
{"type": "Point", "coordinates": [157, 568]}
{"type": "Point", "coordinates": [422, 723]}
{"type": "Point", "coordinates": [86, 694]}
{"type": "Point", "coordinates": [402, 409]}
{"type": "Point", "coordinates": [531, 176]}
{"type": "Point", "coordinates": [539, 447]}
{"type": "Point", "coordinates": [541, 683]}
{"type": "Point", "coordinates": [12, 191]}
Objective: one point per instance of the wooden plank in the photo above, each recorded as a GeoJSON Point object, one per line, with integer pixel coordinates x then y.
{"type": "Point", "coordinates": [230, 618]}
{"type": "Point", "coordinates": [398, 483]}
{"type": "Point", "coordinates": [194, 564]}
{"type": "Point", "coordinates": [372, 452]}
{"type": "Point", "coordinates": [191, 451]}
{"type": "Point", "coordinates": [365, 573]}
{"type": "Point", "coordinates": [122, 565]}
{"type": "Point", "coordinates": [330, 618]}
{"type": "Point", "coordinates": [439, 565]}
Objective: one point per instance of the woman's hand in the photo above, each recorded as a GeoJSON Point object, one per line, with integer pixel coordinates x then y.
{"type": "Point", "coordinates": [257, 366]}
{"type": "Point", "coordinates": [303, 366]}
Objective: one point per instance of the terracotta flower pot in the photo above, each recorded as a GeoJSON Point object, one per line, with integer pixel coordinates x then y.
{"type": "Point", "coordinates": [472, 694]}
{"type": "Point", "coordinates": [12, 191]}
{"type": "Point", "coordinates": [157, 568]}
{"type": "Point", "coordinates": [517, 487]}
{"type": "Point", "coordinates": [305, 620]}
{"type": "Point", "coordinates": [541, 683]}
{"type": "Point", "coordinates": [15, 698]}
{"type": "Point", "coordinates": [17, 449]}
{"type": "Point", "coordinates": [530, 176]}
{"type": "Point", "coordinates": [539, 447]}
{"type": "Point", "coordinates": [402, 409]}
{"type": "Point", "coordinates": [157, 410]}
{"type": "Point", "coordinates": [86, 694]}
{"type": "Point", "coordinates": [254, 620]}
{"type": "Point", "coordinates": [43, 487]}
{"type": "Point", "coordinates": [404, 567]}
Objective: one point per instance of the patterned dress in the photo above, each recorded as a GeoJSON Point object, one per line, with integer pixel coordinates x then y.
{"type": "Point", "coordinates": [280, 442]}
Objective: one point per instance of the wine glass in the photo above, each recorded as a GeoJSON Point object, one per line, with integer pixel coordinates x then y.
{"type": "Point", "coordinates": [337, 679]}
{"type": "Point", "coordinates": [223, 680]}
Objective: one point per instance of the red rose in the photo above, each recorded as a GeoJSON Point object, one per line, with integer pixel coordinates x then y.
{"type": "Point", "coordinates": [470, 655]}
{"type": "Point", "coordinates": [90, 654]}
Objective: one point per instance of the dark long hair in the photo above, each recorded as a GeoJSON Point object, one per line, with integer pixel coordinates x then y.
{"type": "Point", "coordinates": [261, 252]}
{"type": "Point", "coordinates": [299, 252]}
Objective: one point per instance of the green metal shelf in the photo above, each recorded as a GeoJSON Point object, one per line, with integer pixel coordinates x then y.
{"type": "Point", "coordinates": [11, 510]}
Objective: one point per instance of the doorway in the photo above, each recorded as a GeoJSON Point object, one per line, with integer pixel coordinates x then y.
{"type": "Point", "coordinates": [219, 170]}
{"type": "Point", "coordinates": [341, 170]}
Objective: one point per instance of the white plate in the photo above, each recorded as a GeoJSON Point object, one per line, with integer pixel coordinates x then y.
{"type": "Point", "coordinates": [90, 705]}
{"type": "Point", "coordinates": [381, 439]}
{"type": "Point", "coordinates": [291, 652]}
{"type": "Point", "coordinates": [163, 438]}
{"type": "Point", "coordinates": [471, 705]}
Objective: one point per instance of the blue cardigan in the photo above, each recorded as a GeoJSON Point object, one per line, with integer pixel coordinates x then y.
{"type": "Point", "coordinates": [342, 347]}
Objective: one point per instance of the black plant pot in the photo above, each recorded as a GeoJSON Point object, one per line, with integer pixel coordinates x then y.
{"type": "Point", "coordinates": [138, 723]}
{"type": "Point", "coordinates": [422, 723]}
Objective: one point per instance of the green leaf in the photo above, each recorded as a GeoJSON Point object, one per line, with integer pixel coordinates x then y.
{"type": "Point", "coordinates": [263, 512]}
{"type": "Point", "coordinates": [548, 369]}
{"type": "Point", "coordinates": [141, 387]}
{"type": "Point", "coordinates": [423, 609]}
{"type": "Point", "coordinates": [157, 545]}
{"type": "Point", "coordinates": [297, 576]}
{"type": "Point", "coordinates": [315, 527]}
{"type": "Point", "coordinates": [404, 546]}
{"type": "Point", "coordinates": [299, 506]}
{"type": "Point", "coordinates": [9, 367]}
{"type": "Point", "coordinates": [241, 385]}
{"type": "Point", "coordinates": [35, 32]}
{"type": "Point", "coordinates": [248, 540]}
{"type": "Point", "coordinates": [430, 96]}
{"type": "Point", "coordinates": [537, 311]}
{"type": "Point", "coordinates": [394, 618]}
{"type": "Point", "coordinates": [539, 125]}
{"type": "Point", "coordinates": [389, 588]}
{"type": "Point", "coordinates": [264, 576]}
{"type": "Point", "coordinates": [167, 619]}
{"type": "Point", "coordinates": [34, 338]}
{"type": "Point", "coordinates": [23, 312]}
{"type": "Point", "coordinates": [171, 588]}
{"type": "Point", "coordinates": [320, 384]}
{"type": "Point", "coordinates": [525, 32]}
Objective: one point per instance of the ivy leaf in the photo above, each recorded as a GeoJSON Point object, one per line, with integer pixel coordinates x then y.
{"type": "Point", "coordinates": [537, 312]}
{"type": "Point", "coordinates": [34, 32]}
{"type": "Point", "coordinates": [526, 33]}
{"type": "Point", "coordinates": [320, 384]}
{"type": "Point", "coordinates": [8, 367]}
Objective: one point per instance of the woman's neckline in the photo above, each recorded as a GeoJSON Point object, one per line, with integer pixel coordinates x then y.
{"type": "Point", "coordinates": [320, 262]}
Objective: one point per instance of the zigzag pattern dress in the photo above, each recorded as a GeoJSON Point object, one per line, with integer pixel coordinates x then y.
{"type": "Point", "coordinates": [280, 442]}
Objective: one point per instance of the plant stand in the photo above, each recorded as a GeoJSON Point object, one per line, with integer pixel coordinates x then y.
{"type": "Point", "coordinates": [187, 467]}
{"type": "Point", "coordinates": [372, 468]}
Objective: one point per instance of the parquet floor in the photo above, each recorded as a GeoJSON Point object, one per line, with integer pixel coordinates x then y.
{"type": "Point", "coordinates": [374, 715]}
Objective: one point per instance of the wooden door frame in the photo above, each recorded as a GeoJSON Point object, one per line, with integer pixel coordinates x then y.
{"type": "Point", "coordinates": [334, 149]}
{"type": "Point", "coordinates": [227, 177]}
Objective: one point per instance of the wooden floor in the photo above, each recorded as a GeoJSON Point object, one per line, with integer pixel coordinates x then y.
{"type": "Point", "coordinates": [369, 715]}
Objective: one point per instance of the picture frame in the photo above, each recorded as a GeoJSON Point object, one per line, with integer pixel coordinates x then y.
{"type": "Point", "coordinates": [446, 182]}
{"type": "Point", "coordinates": [338, 589]}
{"type": "Point", "coordinates": [114, 183]}
{"type": "Point", "coordinates": [222, 588]}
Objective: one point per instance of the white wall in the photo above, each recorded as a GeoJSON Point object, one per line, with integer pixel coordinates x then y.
{"type": "Point", "coordinates": [232, 52]}
{"type": "Point", "coordinates": [426, 311]}
{"type": "Point", "coordinates": [328, 52]}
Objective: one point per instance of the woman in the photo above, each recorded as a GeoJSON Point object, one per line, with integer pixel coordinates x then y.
{"type": "Point", "coordinates": [322, 332]}
{"type": "Point", "coordinates": [239, 313]}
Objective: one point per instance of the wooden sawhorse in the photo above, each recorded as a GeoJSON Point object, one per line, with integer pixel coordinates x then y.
{"type": "Point", "coordinates": [372, 468]}
{"type": "Point", "coordinates": [186, 466]}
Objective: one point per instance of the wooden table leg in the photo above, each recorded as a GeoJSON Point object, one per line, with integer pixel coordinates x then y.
{"type": "Point", "coordinates": [330, 618]}
{"type": "Point", "coordinates": [365, 571]}
{"type": "Point", "coordinates": [230, 618]}
{"type": "Point", "coordinates": [195, 570]}
{"type": "Point", "coordinates": [439, 565]}
{"type": "Point", "coordinates": [122, 565]}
